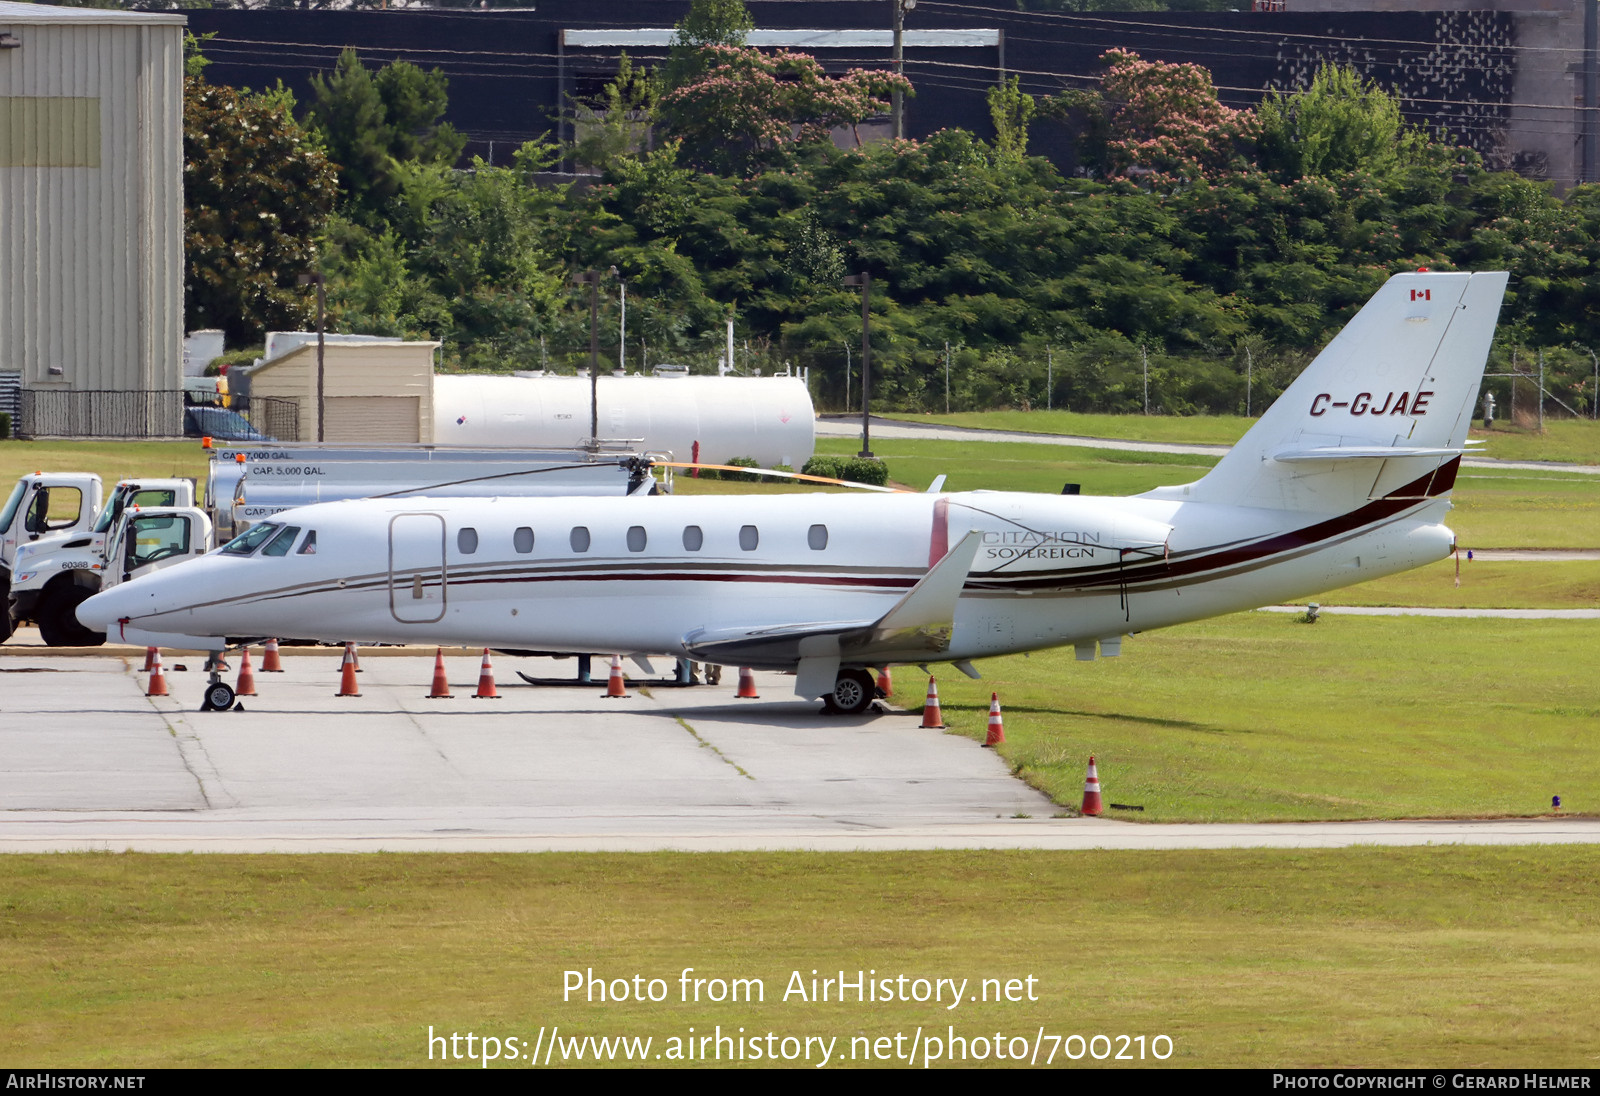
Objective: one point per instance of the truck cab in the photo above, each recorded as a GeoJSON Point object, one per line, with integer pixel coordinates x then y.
{"type": "Point", "coordinates": [40, 505]}
{"type": "Point", "coordinates": [53, 575]}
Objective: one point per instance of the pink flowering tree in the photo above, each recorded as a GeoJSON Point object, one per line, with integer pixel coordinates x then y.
{"type": "Point", "coordinates": [1166, 120]}
{"type": "Point", "coordinates": [746, 102]}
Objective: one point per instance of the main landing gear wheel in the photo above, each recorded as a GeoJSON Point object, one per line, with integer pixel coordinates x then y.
{"type": "Point", "coordinates": [853, 690]}
{"type": "Point", "coordinates": [218, 698]}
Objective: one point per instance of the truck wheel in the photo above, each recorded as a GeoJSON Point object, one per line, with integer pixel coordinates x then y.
{"type": "Point", "coordinates": [853, 690]}
{"type": "Point", "coordinates": [6, 627]}
{"type": "Point", "coordinates": [58, 620]}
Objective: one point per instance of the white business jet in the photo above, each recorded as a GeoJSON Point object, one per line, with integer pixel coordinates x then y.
{"type": "Point", "coordinates": [1346, 478]}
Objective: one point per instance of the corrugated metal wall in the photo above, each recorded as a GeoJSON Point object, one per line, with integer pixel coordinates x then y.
{"type": "Point", "coordinates": [91, 203]}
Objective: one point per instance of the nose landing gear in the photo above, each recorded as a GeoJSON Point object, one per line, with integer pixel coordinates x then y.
{"type": "Point", "coordinates": [219, 696]}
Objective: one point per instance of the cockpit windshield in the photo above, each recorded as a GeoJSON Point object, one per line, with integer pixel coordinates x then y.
{"type": "Point", "coordinates": [280, 544]}
{"type": "Point", "coordinates": [251, 539]}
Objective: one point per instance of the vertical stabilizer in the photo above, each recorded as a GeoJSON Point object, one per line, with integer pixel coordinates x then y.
{"type": "Point", "coordinates": [1384, 405]}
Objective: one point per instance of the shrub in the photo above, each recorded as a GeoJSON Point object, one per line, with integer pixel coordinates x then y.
{"type": "Point", "coordinates": [827, 467]}
{"type": "Point", "coordinates": [743, 462]}
{"type": "Point", "coordinates": [866, 470]}
{"type": "Point", "coordinates": [5, 424]}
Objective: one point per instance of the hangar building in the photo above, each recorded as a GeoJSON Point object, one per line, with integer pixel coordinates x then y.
{"type": "Point", "coordinates": [91, 202]}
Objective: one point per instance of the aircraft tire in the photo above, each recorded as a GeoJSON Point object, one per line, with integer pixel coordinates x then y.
{"type": "Point", "coordinates": [219, 697]}
{"type": "Point", "coordinates": [853, 691]}
{"type": "Point", "coordinates": [58, 621]}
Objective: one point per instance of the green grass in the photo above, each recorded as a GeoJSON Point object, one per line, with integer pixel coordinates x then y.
{"type": "Point", "coordinates": [1484, 585]}
{"type": "Point", "coordinates": [110, 460]}
{"type": "Point", "coordinates": [1183, 429]}
{"type": "Point", "coordinates": [1442, 957]}
{"type": "Point", "coordinates": [1255, 717]}
{"type": "Point", "coordinates": [1568, 440]}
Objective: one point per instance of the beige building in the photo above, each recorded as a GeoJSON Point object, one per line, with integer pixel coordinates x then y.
{"type": "Point", "coordinates": [91, 203]}
{"type": "Point", "coordinates": [374, 392]}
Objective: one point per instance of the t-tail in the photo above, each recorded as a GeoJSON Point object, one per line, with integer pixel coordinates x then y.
{"type": "Point", "coordinates": [1383, 411]}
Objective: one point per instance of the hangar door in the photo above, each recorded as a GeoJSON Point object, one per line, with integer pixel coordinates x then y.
{"type": "Point", "coordinates": [376, 420]}
{"type": "Point", "coordinates": [417, 575]}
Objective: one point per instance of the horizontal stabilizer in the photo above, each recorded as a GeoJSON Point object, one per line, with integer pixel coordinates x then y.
{"type": "Point", "coordinates": [1361, 452]}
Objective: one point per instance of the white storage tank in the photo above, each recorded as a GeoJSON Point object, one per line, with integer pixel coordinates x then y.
{"type": "Point", "coordinates": [768, 418]}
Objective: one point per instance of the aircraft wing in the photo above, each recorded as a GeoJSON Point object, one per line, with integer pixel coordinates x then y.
{"type": "Point", "coordinates": [920, 622]}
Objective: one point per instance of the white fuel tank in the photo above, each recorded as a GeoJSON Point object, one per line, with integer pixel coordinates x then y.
{"type": "Point", "coordinates": [768, 418]}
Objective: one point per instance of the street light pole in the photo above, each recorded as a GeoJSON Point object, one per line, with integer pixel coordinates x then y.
{"type": "Point", "coordinates": [320, 282]}
{"type": "Point", "coordinates": [864, 280]}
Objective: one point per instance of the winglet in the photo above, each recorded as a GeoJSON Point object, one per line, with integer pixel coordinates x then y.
{"type": "Point", "coordinates": [931, 603]}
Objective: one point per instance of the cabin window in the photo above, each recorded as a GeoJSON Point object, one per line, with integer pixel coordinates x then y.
{"type": "Point", "coordinates": [309, 548]}
{"type": "Point", "coordinates": [467, 540]}
{"type": "Point", "coordinates": [817, 537]}
{"type": "Point", "coordinates": [749, 537]}
{"type": "Point", "coordinates": [580, 538]}
{"type": "Point", "coordinates": [522, 539]}
{"type": "Point", "coordinates": [693, 538]}
{"type": "Point", "coordinates": [280, 544]}
{"type": "Point", "coordinates": [636, 538]}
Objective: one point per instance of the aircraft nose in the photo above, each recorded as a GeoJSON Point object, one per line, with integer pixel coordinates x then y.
{"type": "Point", "coordinates": [104, 609]}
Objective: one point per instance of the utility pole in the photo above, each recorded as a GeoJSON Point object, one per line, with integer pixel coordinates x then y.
{"type": "Point", "coordinates": [622, 325]}
{"type": "Point", "coordinates": [898, 97]}
{"type": "Point", "coordinates": [321, 284]}
{"type": "Point", "coordinates": [1249, 376]}
{"type": "Point", "coordinates": [1541, 391]}
{"type": "Point", "coordinates": [592, 280]}
{"type": "Point", "coordinates": [947, 376]}
{"type": "Point", "coordinates": [847, 376]}
{"type": "Point", "coordinates": [864, 280]}
{"type": "Point", "coordinates": [1145, 358]}
{"type": "Point", "coordinates": [1049, 376]}
{"type": "Point", "coordinates": [1594, 398]}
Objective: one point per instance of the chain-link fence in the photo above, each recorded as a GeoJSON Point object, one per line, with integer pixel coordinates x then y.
{"type": "Point", "coordinates": [63, 413]}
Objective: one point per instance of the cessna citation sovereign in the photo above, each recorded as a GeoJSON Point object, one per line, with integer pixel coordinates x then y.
{"type": "Point", "coordinates": [1347, 477]}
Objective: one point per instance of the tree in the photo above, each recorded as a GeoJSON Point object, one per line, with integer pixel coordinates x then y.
{"type": "Point", "coordinates": [1166, 119]}
{"type": "Point", "coordinates": [1340, 123]}
{"type": "Point", "coordinates": [748, 102]}
{"type": "Point", "coordinates": [709, 23]}
{"type": "Point", "coordinates": [256, 193]}
{"type": "Point", "coordinates": [1011, 109]}
{"type": "Point", "coordinates": [372, 126]}
{"type": "Point", "coordinates": [618, 122]}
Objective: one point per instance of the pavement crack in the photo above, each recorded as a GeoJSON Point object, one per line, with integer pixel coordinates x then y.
{"type": "Point", "coordinates": [684, 723]}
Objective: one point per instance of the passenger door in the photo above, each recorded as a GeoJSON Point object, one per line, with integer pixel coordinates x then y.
{"type": "Point", "coordinates": [417, 574]}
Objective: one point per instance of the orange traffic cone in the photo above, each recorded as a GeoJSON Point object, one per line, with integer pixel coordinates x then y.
{"type": "Point", "coordinates": [149, 660]}
{"type": "Point", "coordinates": [1091, 791]}
{"type": "Point", "coordinates": [486, 689]}
{"type": "Point", "coordinates": [747, 684]}
{"type": "Point", "coordinates": [441, 684]}
{"type": "Point", "coordinates": [347, 673]}
{"type": "Point", "coordinates": [885, 683]}
{"type": "Point", "coordinates": [247, 676]}
{"type": "Point", "coordinates": [615, 686]}
{"type": "Point", "coordinates": [932, 719]}
{"type": "Point", "coordinates": [997, 730]}
{"type": "Point", "coordinates": [355, 657]}
{"type": "Point", "coordinates": [158, 680]}
{"type": "Point", "coordinates": [269, 659]}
